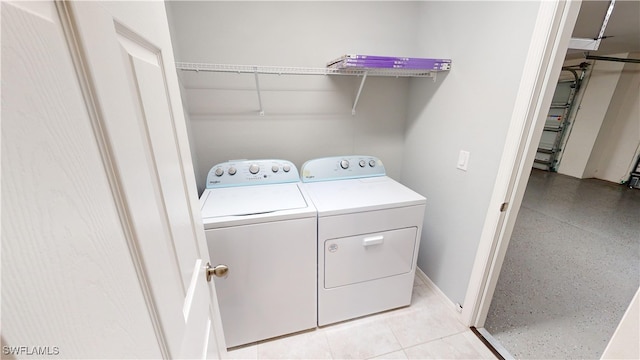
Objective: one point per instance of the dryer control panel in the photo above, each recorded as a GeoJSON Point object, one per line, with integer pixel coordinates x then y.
{"type": "Point", "coordinates": [342, 167]}
{"type": "Point", "coordinates": [252, 172]}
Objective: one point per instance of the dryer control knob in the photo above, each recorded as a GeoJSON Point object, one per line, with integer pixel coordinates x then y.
{"type": "Point", "coordinates": [372, 163]}
{"type": "Point", "coordinates": [232, 171]}
{"type": "Point", "coordinates": [362, 163]}
{"type": "Point", "coordinates": [275, 168]}
{"type": "Point", "coordinates": [219, 172]}
{"type": "Point", "coordinates": [344, 164]}
{"type": "Point", "coordinates": [254, 168]}
{"type": "Point", "coordinates": [286, 168]}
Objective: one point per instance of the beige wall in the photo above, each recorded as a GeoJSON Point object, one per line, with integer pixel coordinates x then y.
{"type": "Point", "coordinates": [471, 109]}
{"type": "Point", "coordinates": [619, 136]}
{"type": "Point", "coordinates": [606, 131]}
{"type": "Point", "coordinates": [305, 117]}
{"type": "Point", "coordinates": [468, 108]}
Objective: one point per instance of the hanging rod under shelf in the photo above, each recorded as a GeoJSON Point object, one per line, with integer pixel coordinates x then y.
{"type": "Point", "coordinates": [286, 70]}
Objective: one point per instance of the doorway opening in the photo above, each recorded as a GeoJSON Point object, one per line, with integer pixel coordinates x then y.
{"type": "Point", "coordinates": [571, 268]}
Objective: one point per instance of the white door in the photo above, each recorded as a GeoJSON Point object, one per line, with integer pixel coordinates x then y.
{"type": "Point", "coordinates": [129, 60]}
{"type": "Point", "coordinates": [98, 188]}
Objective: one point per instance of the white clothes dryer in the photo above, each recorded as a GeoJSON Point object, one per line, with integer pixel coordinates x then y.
{"type": "Point", "coordinates": [369, 229]}
{"type": "Point", "coordinates": [261, 224]}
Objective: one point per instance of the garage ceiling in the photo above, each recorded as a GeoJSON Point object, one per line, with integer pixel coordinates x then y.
{"type": "Point", "coordinates": [622, 33]}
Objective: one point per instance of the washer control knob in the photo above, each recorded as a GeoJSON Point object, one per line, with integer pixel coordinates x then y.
{"type": "Point", "coordinates": [254, 168]}
{"type": "Point", "coordinates": [232, 171]}
{"type": "Point", "coordinates": [372, 163]}
{"type": "Point", "coordinates": [344, 164]}
{"type": "Point", "coordinates": [286, 168]}
{"type": "Point", "coordinates": [219, 171]}
{"type": "Point", "coordinates": [275, 168]}
{"type": "Point", "coordinates": [362, 163]}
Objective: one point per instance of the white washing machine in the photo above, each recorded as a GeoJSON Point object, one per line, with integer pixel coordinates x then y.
{"type": "Point", "coordinates": [261, 224]}
{"type": "Point", "coordinates": [368, 236]}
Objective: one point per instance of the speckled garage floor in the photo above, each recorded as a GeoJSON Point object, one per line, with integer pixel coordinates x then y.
{"type": "Point", "coordinates": [571, 268]}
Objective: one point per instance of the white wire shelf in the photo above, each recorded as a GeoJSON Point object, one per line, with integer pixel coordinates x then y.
{"type": "Point", "coordinates": [285, 70]}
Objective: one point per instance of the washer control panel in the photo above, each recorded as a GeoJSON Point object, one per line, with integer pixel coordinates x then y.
{"type": "Point", "coordinates": [252, 172]}
{"type": "Point", "coordinates": [342, 167]}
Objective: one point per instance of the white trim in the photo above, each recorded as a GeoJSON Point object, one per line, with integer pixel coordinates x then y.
{"type": "Point", "coordinates": [431, 285]}
{"type": "Point", "coordinates": [544, 60]}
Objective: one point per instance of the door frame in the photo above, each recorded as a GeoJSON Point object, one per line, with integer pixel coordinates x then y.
{"type": "Point", "coordinates": [550, 40]}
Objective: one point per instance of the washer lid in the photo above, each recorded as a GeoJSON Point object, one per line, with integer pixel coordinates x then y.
{"type": "Point", "coordinates": [251, 200]}
{"type": "Point", "coordinates": [366, 194]}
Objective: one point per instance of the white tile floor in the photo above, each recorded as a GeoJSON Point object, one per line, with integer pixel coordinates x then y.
{"type": "Point", "coordinates": [428, 329]}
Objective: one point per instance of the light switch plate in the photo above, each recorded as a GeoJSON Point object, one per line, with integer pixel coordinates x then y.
{"type": "Point", "coordinates": [463, 160]}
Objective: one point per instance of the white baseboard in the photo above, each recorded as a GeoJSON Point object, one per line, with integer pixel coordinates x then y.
{"type": "Point", "coordinates": [435, 288]}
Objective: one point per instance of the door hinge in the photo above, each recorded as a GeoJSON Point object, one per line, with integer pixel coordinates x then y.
{"type": "Point", "coordinates": [504, 207]}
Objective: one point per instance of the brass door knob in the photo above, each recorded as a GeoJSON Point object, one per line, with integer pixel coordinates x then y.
{"type": "Point", "coordinates": [218, 271]}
